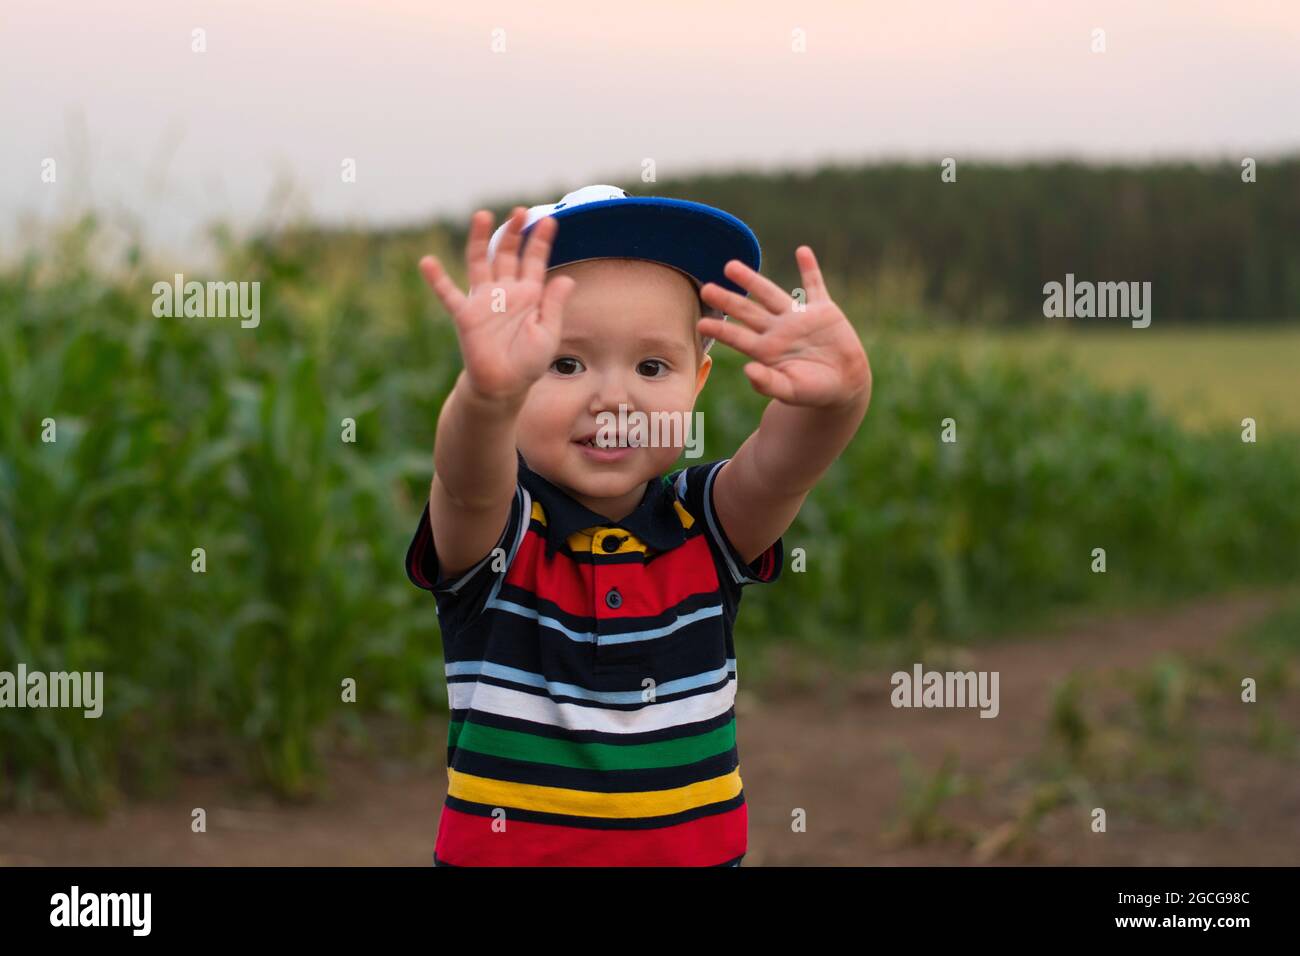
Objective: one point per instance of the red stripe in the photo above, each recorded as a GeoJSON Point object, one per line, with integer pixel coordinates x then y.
{"type": "Point", "coordinates": [647, 590]}
{"type": "Point", "coordinates": [417, 559]}
{"type": "Point", "coordinates": [468, 840]}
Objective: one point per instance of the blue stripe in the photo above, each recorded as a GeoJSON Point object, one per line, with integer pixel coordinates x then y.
{"type": "Point", "coordinates": [557, 689]}
{"type": "Point", "coordinates": [589, 637]}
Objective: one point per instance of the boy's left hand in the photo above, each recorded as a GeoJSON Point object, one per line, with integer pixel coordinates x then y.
{"type": "Point", "coordinates": [811, 357]}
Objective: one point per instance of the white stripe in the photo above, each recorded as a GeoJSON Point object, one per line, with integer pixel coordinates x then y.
{"type": "Point", "coordinates": [587, 637]}
{"type": "Point", "coordinates": [464, 578]}
{"type": "Point", "coordinates": [525, 516]}
{"type": "Point", "coordinates": [716, 531]}
{"type": "Point", "coordinates": [488, 698]}
{"type": "Point", "coordinates": [461, 581]}
{"type": "Point", "coordinates": [559, 689]}
{"type": "Point", "coordinates": [628, 637]}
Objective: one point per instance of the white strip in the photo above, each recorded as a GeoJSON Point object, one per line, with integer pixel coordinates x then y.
{"type": "Point", "coordinates": [525, 517]}
{"type": "Point", "coordinates": [490, 699]}
{"type": "Point", "coordinates": [461, 581]}
{"type": "Point", "coordinates": [736, 575]}
{"type": "Point", "coordinates": [516, 675]}
{"type": "Point", "coordinates": [588, 637]}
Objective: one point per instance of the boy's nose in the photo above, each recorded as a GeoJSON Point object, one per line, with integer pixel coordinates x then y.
{"type": "Point", "coordinates": [609, 394]}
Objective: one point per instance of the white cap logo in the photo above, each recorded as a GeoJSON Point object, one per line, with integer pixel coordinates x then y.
{"type": "Point", "coordinates": [576, 198]}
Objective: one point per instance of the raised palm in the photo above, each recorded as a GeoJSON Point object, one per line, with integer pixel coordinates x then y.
{"type": "Point", "coordinates": [509, 325]}
{"type": "Point", "coordinates": [808, 355]}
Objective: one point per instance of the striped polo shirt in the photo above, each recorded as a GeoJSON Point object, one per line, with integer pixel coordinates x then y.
{"type": "Point", "coordinates": [591, 676]}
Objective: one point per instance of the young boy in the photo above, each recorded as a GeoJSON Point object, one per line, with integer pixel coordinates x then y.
{"type": "Point", "coordinates": [586, 601]}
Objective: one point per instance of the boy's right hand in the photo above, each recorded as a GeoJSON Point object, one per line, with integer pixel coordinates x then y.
{"type": "Point", "coordinates": [509, 325]}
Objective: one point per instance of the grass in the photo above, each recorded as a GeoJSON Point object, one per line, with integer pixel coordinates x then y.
{"type": "Point", "coordinates": [919, 816]}
{"type": "Point", "coordinates": [175, 434]}
{"type": "Point", "coordinates": [1134, 741]}
{"type": "Point", "coordinates": [1205, 378]}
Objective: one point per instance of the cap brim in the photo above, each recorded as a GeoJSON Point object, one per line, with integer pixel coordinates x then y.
{"type": "Point", "coordinates": [692, 237]}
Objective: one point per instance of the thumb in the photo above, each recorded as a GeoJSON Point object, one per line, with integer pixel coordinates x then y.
{"type": "Point", "coordinates": [767, 381]}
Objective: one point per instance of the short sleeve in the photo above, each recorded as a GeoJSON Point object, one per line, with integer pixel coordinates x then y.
{"type": "Point", "coordinates": [693, 486]}
{"type": "Point", "coordinates": [422, 559]}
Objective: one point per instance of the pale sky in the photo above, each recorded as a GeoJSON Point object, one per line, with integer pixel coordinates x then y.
{"type": "Point", "coordinates": [585, 91]}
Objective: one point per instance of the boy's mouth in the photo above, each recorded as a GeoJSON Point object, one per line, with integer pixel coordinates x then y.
{"type": "Point", "coordinates": [591, 442]}
{"type": "Point", "coordinates": [592, 449]}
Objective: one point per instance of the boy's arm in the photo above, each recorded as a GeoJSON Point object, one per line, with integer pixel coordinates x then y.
{"type": "Point", "coordinates": [758, 493]}
{"type": "Point", "coordinates": [812, 364]}
{"type": "Point", "coordinates": [475, 467]}
{"type": "Point", "coordinates": [508, 329]}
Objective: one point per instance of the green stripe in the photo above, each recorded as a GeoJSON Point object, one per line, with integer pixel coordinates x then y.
{"type": "Point", "coordinates": [518, 745]}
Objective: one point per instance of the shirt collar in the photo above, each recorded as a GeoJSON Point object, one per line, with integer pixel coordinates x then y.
{"type": "Point", "coordinates": [654, 521]}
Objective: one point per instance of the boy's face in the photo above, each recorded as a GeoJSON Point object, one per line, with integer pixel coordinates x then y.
{"type": "Point", "coordinates": [629, 337]}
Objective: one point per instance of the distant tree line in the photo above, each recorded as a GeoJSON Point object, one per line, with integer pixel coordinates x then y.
{"type": "Point", "coordinates": [1213, 246]}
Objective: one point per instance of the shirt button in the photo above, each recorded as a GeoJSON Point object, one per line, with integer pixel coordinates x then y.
{"type": "Point", "coordinates": [611, 542]}
{"type": "Point", "coordinates": [613, 598]}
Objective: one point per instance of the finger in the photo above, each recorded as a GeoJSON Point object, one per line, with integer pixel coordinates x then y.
{"type": "Point", "coordinates": [434, 274]}
{"type": "Point", "coordinates": [738, 337]}
{"type": "Point", "coordinates": [767, 381]}
{"type": "Point", "coordinates": [737, 306]}
{"type": "Point", "coordinates": [555, 294]}
{"type": "Point", "coordinates": [505, 263]}
{"type": "Point", "coordinates": [480, 232]}
{"type": "Point", "coordinates": [771, 295]}
{"type": "Point", "coordinates": [538, 251]}
{"type": "Point", "coordinates": [813, 283]}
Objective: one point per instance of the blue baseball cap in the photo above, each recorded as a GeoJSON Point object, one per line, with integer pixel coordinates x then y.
{"type": "Point", "coordinates": [604, 222]}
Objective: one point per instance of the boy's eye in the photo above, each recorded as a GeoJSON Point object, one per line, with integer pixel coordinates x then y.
{"type": "Point", "coordinates": [570, 365]}
{"type": "Point", "coordinates": [651, 363]}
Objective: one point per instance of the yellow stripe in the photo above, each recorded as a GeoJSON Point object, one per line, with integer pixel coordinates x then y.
{"type": "Point", "coordinates": [683, 516]}
{"type": "Point", "coordinates": [582, 542]}
{"type": "Point", "coordinates": [586, 803]}
{"type": "Point", "coordinates": [579, 541]}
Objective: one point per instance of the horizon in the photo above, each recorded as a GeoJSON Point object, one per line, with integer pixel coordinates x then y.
{"type": "Point", "coordinates": [147, 130]}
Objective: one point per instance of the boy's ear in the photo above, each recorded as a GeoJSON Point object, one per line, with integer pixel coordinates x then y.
{"type": "Point", "coordinates": [702, 375]}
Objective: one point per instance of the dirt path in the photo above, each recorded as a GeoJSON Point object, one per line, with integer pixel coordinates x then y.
{"type": "Point", "coordinates": [833, 754]}
{"type": "Point", "coordinates": [827, 746]}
